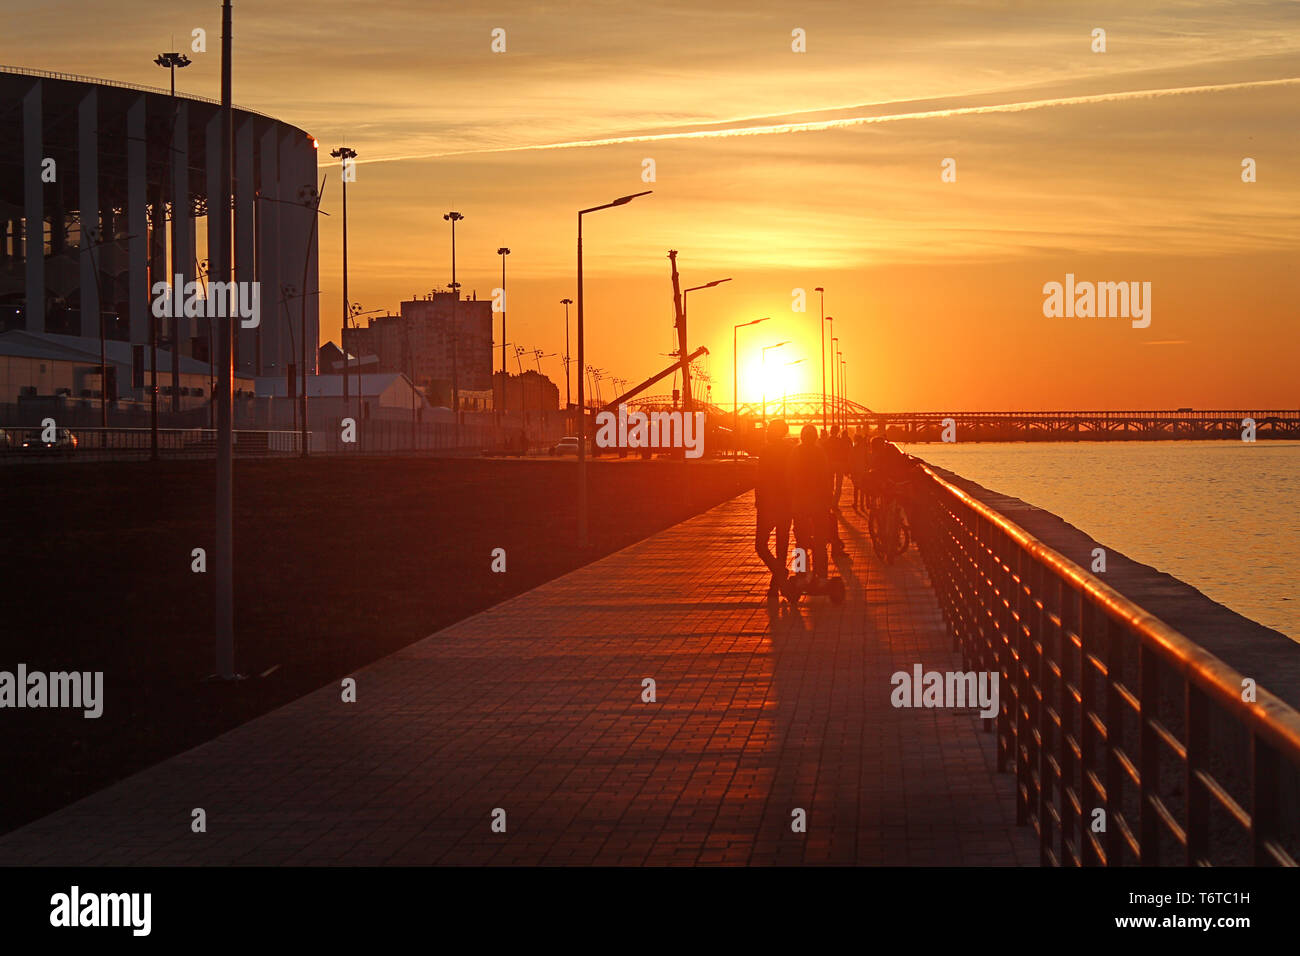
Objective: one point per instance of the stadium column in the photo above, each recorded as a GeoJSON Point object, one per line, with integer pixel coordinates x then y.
{"type": "Point", "coordinates": [212, 189]}
{"type": "Point", "coordinates": [33, 210]}
{"type": "Point", "coordinates": [245, 267]}
{"type": "Point", "coordinates": [293, 218]}
{"type": "Point", "coordinates": [269, 211]}
{"type": "Point", "coordinates": [182, 230]}
{"type": "Point", "coordinates": [137, 225]}
{"type": "Point", "coordinates": [88, 205]}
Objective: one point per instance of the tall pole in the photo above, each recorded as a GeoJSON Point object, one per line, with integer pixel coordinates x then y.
{"type": "Point", "coordinates": [454, 217]}
{"type": "Point", "coordinates": [225, 506]}
{"type": "Point", "coordinates": [503, 252]}
{"type": "Point", "coordinates": [568, 402]}
{"type": "Point", "coordinates": [302, 362]}
{"type": "Point", "coordinates": [834, 393]}
{"type": "Point", "coordinates": [582, 420]}
{"type": "Point", "coordinates": [582, 413]}
{"type": "Point", "coordinates": [735, 397]}
{"type": "Point", "coordinates": [822, 326]}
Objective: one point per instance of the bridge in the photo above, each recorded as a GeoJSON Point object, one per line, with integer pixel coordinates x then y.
{"type": "Point", "coordinates": [1059, 425]}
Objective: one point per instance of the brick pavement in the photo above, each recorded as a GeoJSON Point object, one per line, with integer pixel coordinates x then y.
{"type": "Point", "coordinates": [534, 707]}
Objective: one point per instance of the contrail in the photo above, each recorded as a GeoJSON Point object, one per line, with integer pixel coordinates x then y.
{"type": "Point", "coordinates": [846, 122]}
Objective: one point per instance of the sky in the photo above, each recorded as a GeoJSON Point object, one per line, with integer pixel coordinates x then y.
{"type": "Point", "coordinates": [787, 170]}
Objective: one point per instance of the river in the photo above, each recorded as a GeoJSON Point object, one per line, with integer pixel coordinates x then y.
{"type": "Point", "coordinates": [1222, 516]}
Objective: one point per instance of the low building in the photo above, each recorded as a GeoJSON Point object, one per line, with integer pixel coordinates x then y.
{"type": "Point", "coordinates": [530, 392]}
{"type": "Point", "coordinates": [45, 366]}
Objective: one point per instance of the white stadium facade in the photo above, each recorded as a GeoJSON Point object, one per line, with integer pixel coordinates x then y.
{"type": "Point", "coordinates": [104, 192]}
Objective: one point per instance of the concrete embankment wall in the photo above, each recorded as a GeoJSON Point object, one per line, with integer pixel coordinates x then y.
{"type": "Point", "coordinates": [1256, 651]}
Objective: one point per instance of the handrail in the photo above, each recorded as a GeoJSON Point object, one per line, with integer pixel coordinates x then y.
{"type": "Point", "coordinates": [78, 78]}
{"type": "Point", "coordinates": [1269, 715]}
{"type": "Point", "coordinates": [1108, 713]}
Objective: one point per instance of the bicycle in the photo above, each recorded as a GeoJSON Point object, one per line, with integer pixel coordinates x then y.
{"type": "Point", "coordinates": [890, 533]}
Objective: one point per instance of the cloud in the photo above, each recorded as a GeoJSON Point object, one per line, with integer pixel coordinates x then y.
{"type": "Point", "coordinates": [852, 121]}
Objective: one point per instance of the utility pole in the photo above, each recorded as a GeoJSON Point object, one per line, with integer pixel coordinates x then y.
{"type": "Point", "coordinates": [503, 252]}
{"type": "Point", "coordinates": [568, 401]}
{"type": "Point", "coordinates": [225, 506]}
{"type": "Point", "coordinates": [453, 218]}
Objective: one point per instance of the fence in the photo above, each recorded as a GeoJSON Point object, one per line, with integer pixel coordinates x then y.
{"type": "Point", "coordinates": [370, 437]}
{"type": "Point", "coordinates": [1129, 742]}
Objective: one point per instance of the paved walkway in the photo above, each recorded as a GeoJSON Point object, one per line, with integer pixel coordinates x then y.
{"type": "Point", "coordinates": [535, 707]}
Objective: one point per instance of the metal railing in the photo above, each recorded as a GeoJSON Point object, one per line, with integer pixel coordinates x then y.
{"type": "Point", "coordinates": [1129, 742]}
{"type": "Point", "coordinates": [135, 87]}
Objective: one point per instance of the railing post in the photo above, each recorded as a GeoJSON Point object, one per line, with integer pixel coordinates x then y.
{"type": "Point", "coordinates": [1090, 639]}
{"type": "Point", "coordinates": [1196, 802]}
{"type": "Point", "coordinates": [1115, 707]}
{"type": "Point", "coordinates": [1149, 756]}
{"type": "Point", "coordinates": [1264, 807]}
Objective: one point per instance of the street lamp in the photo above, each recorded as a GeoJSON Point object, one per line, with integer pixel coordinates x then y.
{"type": "Point", "coordinates": [454, 217]}
{"type": "Point", "coordinates": [310, 197]}
{"type": "Point", "coordinates": [582, 417]}
{"type": "Point", "coordinates": [344, 155]}
{"type": "Point", "coordinates": [95, 240]}
{"type": "Point", "coordinates": [767, 349]}
{"type": "Point", "coordinates": [171, 62]}
{"type": "Point", "coordinates": [355, 311]}
{"type": "Point", "coordinates": [567, 398]}
{"type": "Point", "coordinates": [735, 392]}
{"type": "Point", "coordinates": [822, 325]}
{"type": "Point", "coordinates": [503, 252]}
{"type": "Point", "coordinates": [834, 394]}
{"type": "Point", "coordinates": [785, 385]}
{"type": "Point", "coordinates": [844, 392]}
{"type": "Point", "coordinates": [694, 288]}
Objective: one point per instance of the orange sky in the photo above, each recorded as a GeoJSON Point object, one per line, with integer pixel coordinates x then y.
{"type": "Point", "coordinates": [829, 174]}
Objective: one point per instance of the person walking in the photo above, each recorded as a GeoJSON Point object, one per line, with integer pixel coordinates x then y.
{"type": "Point", "coordinates": [811, 487]}
{"type": "Point", "coordinates": [772, 502]}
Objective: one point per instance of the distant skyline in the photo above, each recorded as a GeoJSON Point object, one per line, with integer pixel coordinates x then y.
{"type": "Point", "coordinates": [784, 170]}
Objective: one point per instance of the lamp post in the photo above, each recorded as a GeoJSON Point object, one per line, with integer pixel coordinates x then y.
{"type": "Point", "coordinates": [454, 217]}
{"type": "Point", "coordinates": [357, 312]}
{"type": "Point", "coordinates": [582, 417]}
{"type": "Point", "coordinates": [785, 385]}
{"type": "Point", "coordinates": [735, 388]}
{"type": "Point", "coordinates": [844, 392]}
{"type": "Point", "coordinates": [171, 62]}
{"type": "Point", "coordinates": [822, 326]}
{"type": "Point", "coordinates": [309, 196]}
{"type": "Point", "coordinates": [694, 288]}
{"type": "Point", "coordinates": [344, 155]}
{"type": "Point", "coordinates": [568, 401]}
{"type": "Point", "coordinates": [834, 381]}
{"type": "Point", "coordinates": [503, 252]}
{"type": "Point", "coordinates": [94, 240]}
{"type": "Point", "coordinates": [767, 349]}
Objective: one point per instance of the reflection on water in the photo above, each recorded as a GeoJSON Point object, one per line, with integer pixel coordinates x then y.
{"type": "Point", "coordinates": [1222, 516]}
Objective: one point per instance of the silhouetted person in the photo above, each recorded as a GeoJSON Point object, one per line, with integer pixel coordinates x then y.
{"type": "Point", "coordinates": [834, 444]}
{"type": "Point", "coordinates": [773, 505]}
{"type": "Point", "coordinates": [811, 487]}
{"type": "Point", "coordinates": [860, 465]}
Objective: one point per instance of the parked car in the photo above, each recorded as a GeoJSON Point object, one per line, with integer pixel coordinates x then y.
{"type": "Point", "coordinates": [566, 446]}
{"type": "Point", "coordinates": [64, 443]}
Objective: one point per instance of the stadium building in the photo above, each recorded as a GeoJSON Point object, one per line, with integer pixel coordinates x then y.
{"type": "Point", "coordinates": [104, 191]}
